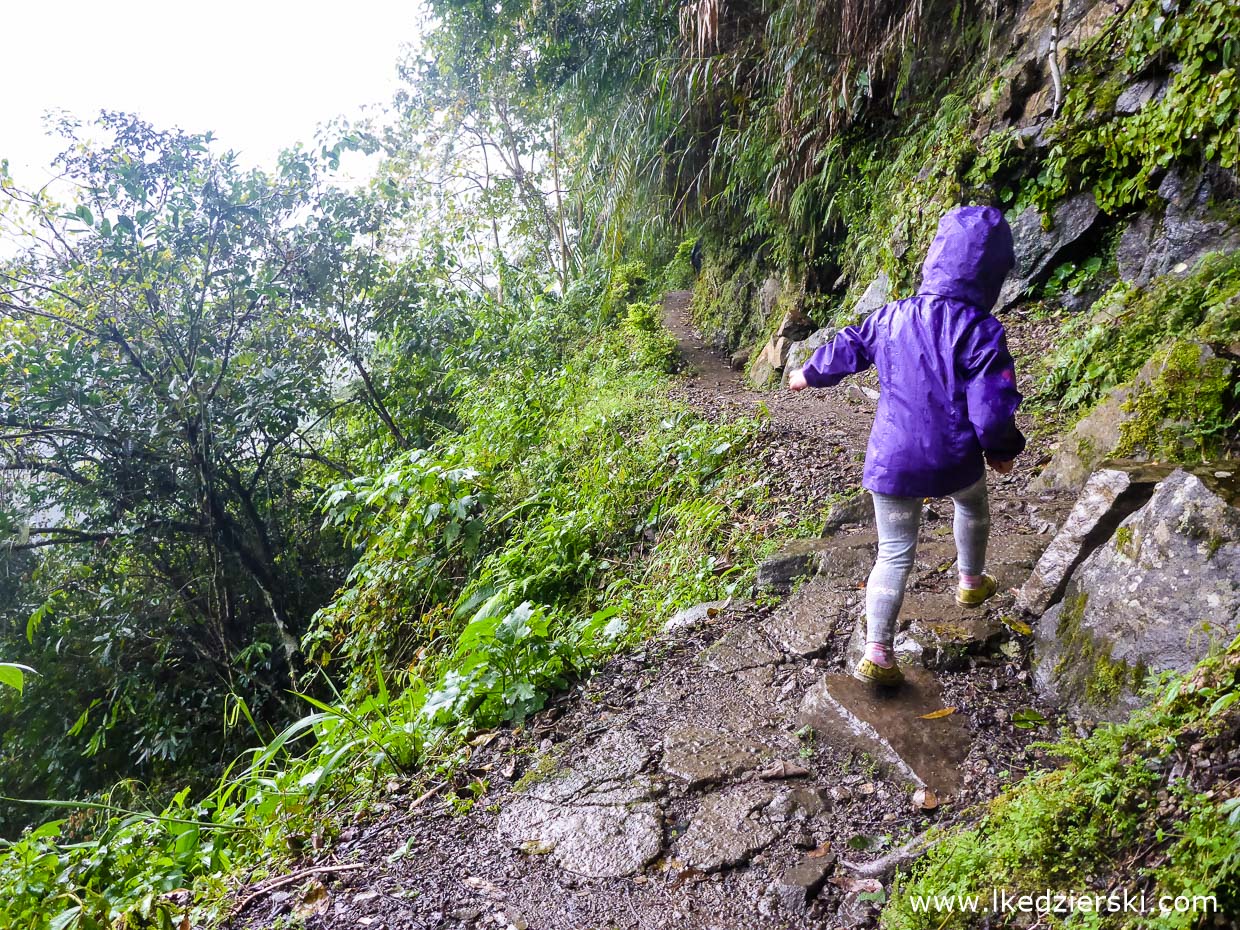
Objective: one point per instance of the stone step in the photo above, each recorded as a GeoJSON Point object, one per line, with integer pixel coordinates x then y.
{"type": "Point", "coordinates": [804, 624]}
{"type": "Point", "coordinates": [889, 724]}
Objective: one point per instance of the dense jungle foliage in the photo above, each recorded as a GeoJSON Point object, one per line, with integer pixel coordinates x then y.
{"type": "Point", "coordinates": [304, 484]}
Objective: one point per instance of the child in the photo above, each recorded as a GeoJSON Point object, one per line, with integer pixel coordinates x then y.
{"type": "Point", "coordinates": [947, 408]}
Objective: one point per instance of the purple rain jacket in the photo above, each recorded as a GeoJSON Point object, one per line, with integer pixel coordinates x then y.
{"type": "Point", "coordinates": [948, 381]}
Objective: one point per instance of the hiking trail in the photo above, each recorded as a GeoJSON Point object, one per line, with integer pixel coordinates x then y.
{"type": "Point", "coordinates": [729, 773]}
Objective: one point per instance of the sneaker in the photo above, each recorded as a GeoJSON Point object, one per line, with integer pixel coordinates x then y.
{"type": "Point", "coordinates": [870, 671]}
{"type": "Point", "coordinates": [973, 597]}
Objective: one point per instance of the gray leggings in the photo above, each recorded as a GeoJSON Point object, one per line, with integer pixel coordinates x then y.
{"type": "Point", "coordinates": [898, 520]}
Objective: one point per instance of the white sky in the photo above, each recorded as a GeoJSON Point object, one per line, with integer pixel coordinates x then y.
{"type": "Point", "coordinates": [260, 74]}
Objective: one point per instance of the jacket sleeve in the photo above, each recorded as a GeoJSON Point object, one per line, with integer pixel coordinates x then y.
{"type": "Point", "coordinates": [851, 350]}
{"type": "Point", "coordinates": [990, 390]}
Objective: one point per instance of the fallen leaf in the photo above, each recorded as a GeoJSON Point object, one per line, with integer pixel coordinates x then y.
{"type": "Point", "coordinates": [850, 884]}
{"type": "Point", "coordinates": [783, 769]}
{"type": "Point", "coordinates": [819, 852]}
{"type": "Point", "coordinates": [925, 799]}
{"type": "Point", "coordinates": [313, 902]}
{"type": "Point", "coordinates": [1017, 626]}
{"type": "Point", "coordinates": [537, 847]}
{"type": "Point", "coordinates": [936, 714]}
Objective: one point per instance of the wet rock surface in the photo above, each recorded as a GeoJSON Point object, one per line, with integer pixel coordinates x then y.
{"type": "Point", "coordinates": [1038, 250]}
{"type": "Point", "coordinates": [877, 293]}
{"type": "Point", "coordinates": [896, 725]}
{"type": "Point", "coordinates": [730, 827]}
{"type": "Point", "coordinates": [805, 624]}
{"type": "Point", "coordinates": [1109, 496]}
{"type": "Point", "coordinates": [701, 755]}
{"type": "Point", "coordinates": [1156, 596]}
{"type": "Point", "coordinates": [1188, 227]}
{"type": "Point", "coordinates": [598, 819]}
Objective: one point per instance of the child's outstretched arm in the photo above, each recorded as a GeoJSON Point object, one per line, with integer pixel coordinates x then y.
{"type": "Point", "coordinates": [851, 350]}
{"type": "Point", "coordinates": [991, 391]}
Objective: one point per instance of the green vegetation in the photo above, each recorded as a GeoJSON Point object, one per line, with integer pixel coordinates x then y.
{"type": "Point", "coordinates": [1125, 809]}
{"type": "Point", "coordinates": [309, 484]}
{"type": "Point", "coordinates": [1128, 325]}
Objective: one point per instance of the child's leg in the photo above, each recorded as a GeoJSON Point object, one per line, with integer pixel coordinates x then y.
{"type": "Point", "coordinates": [971, 527]}
{"type": "Point", "coordinates": [898, 519]}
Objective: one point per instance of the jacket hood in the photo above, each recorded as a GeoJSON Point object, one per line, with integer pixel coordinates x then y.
{"type": "Point", "coordinates": [970, 256]}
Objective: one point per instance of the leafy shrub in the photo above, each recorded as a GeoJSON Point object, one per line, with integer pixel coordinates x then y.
{"type": "Point", "coordinates": [653, 346]}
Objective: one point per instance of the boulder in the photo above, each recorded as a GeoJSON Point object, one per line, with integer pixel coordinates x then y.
{"type": "Point", "coordinates": [1173, 239]}
{"type": "Point", "coordinates": [1137, 94]}
{"type": "Point", "coordinates": [795, 325]}
{"type": "Point", "coordinates": [768, 296]}
{"type": "Point", "coordinates": [799, 352]}
{"type": "Point", "coordinates": [1157, 596]}
{"type": "Point", "coordinates": [1110, 495]}
{"type": "Point", "coordinates": [877, 293]}
{"type": "Point", "coordinates": [766, 367]}
{"type": "Point", "coordinates": [1100, 434]}
{"type": "Point", "coordinates": [1038, 250]}
{"type": "Point", "coordinates": [857, 508]}
{"type": "Point", "coordinates": [739, 359]}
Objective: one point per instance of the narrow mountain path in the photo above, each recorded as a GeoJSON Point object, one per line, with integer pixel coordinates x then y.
{"type": "Point", "coordinates": [729, 773]}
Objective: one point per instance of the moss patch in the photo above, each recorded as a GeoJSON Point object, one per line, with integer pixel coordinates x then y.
{"type": "Point", "coordinates": [1085, 669]}
{"type": "Point", "coordinates": [1185, 412]}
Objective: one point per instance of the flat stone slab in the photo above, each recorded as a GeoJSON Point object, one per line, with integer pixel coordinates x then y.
{"type": "Point", "coordinates": [693, 616]}
{"type": "Point", "coordinates": [804, 624]}
{"type": "Point", "coordinates": [858, 509]}
{"type": "Point", "coordinates": [599, 818]}
{"type": "Point", "coordinates": [699, 756]}
{"type": "Point", "coordinates": [889, 724]}
{"type": "Point", "coordinates": [949, 644]}
{"type": "Point", "coordinates": [737, 650]}
{"type": "Point", "coordinates": [798, 558]}
{"type": "Point", "coordinates": [730, 827]}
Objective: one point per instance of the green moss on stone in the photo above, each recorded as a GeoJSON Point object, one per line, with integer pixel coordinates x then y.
{"type": "Point", "coordinates": [1123, 542]}
{"type": "Point", "coordinates": [1085, 668]}
{"type": "Point", "coordinates": [1181, 414]}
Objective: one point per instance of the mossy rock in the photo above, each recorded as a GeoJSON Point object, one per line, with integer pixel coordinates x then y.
{"type": "Point", "coordinates": [1159, 596]}
{"type": "Point", "coordinates": [1179, 408]}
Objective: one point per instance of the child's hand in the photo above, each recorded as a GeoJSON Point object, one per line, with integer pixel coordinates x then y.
{"type": "Point", "coordinates": [1001, 468]}
{"type": "Point", "coordinates": [796, 381]}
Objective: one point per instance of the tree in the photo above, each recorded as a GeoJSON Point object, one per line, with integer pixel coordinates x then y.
{"type": "Point", "coordinates": [161, 406]}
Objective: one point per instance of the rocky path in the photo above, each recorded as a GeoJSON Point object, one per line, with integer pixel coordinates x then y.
{"type": "Point", "coordinates": [729, 774]}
